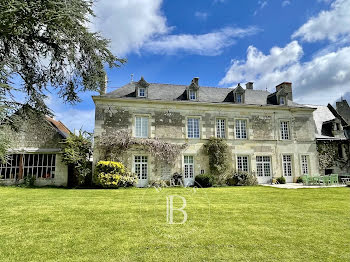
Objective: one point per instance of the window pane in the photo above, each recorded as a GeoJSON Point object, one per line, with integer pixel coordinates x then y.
{"type": "Point", "coordinates": [220, 128]}
{"type": "Point", "coordinates": [193, 127]}
{"type": "Point", "coordinates": [284, 130]}
{"type": "Point", "coordinates": [241, 129]}
{"type": "Point", "coordinates": [141, 126]}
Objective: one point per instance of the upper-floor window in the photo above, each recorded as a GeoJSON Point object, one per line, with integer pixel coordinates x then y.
{"type": "Point", "coordinates": [220, 128]}
{"type": "Point", "coordinates": [238, 98]}
{"type": "Point", "coordinates": [282, 100]}
{"type": "Point", "coordinates": [243, 163]}
{"type": "Point", "coordinates": [241, 129]}
{"type": "Point", "coordinates": [285, 130]}
{"type": "Point", "coordinates": [193, 95]}
{"type": "Point", "coordinates": [193, 128]}
{"type": "Point", "coordinates": [141, 126]}
{"type": "Point", "coordinates": [142, 92]}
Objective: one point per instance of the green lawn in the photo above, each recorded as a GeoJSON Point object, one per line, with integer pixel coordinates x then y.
{"type": "Point", "coordinates": [224, 224]}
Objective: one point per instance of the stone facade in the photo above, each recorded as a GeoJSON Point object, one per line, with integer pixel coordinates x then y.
{"type": "Point", "coordinates": [34, 136]}
{"type": "Point", "coordinates": [167, 120]}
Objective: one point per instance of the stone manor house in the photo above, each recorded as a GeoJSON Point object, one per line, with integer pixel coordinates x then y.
{"type": "Point", "coordinates": [267, 133]}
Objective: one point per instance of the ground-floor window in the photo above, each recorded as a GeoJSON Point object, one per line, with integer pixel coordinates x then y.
{"type": "Point", "coordinates": [188, 166]}
{"type": "Point", "coordinates": [263, 166]}
{"type": "Point", "coordinates": [287, 165]}
{"type": "Point", "coordinates": [305, 165]}
{"type": "Point", "coordinates": [141, 166]}
{"type": "Point", "coordinates": [21, 165]}
{"type": "Point", "coordinates": [242, 163]}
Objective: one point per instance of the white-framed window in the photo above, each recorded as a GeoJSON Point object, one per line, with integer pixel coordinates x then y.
{"type": "Point", "coordinates": [220, 128]}
{"type": "Point", "coordinates": [141, 166]}
{"type": "Point", "coordinates": [188, 167]}
{"type": "Point", "coordinates": [241, 129]}
{"type": "Point", "coordinates": [243, 163]}
{"type": "Point", "coordinates": [193, 95]}
{"type": "Point", "coordinates": [239, 98]}
{"type": "Point", "coordinates": [282, 100]}
{"type": "Point", "coordinates": [285, 135]}
{"type": "Point", "coordinates": [142, 92]}
{"type": "Point", "coordinates": [41, 166]}
{"type": "Point", "coordinates": [263, 166]}
{"type": "Point", "coordinates": [193, 128]}
{"type": "Point", "coordinates": [305, 164]}
{"type": "Point", "coordinates": [141, 126]}
{"type": "Point", "coordinates": [287, 165]}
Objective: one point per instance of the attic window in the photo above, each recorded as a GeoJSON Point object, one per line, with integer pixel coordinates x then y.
{"type": "Point", "coordinates": [239, 98]}
{"type": "Point", "coordinates": [142, 92]}
{"type": "Point", "coordinates": [193, 95]}
{"type": "Point", "coordinates": [282, 100]}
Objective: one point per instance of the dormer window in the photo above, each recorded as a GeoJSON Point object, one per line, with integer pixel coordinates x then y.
{"type": "Point", "coordinates": [239, 98]}
{"type": "Point", "coordinates": [142, 92]}
{"type": "Point", "coordinates": [193, 95]}
{"type": "Point", "coordinates": [282, 100]}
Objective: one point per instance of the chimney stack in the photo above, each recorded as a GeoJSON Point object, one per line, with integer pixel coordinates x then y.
{"type": "Point", "coordinates": [249, 85]}
{"type": "Point", "coordinates": [287, 87]}
{"type": "Point", "coordinates": [103, 90]}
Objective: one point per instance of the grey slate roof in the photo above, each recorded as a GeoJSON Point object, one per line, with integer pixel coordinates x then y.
{"type": "Point", "coordinates": [171, 92]}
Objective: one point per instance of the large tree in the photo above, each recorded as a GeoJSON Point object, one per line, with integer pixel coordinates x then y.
{"type": "Point", "coordinates": [48, 44]}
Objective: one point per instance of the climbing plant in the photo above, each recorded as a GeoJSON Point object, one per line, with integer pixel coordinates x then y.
{"type": "Point", "coordinates": [219, 158]}
{"type": "Point", "coordinates": [115, 143]}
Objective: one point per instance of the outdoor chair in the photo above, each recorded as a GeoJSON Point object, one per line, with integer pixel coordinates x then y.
{"type": "Point", "coordinates": [305, 179]}
{"type": "Point", "coordinates": [326, 180]}
{"type": "Point", "coordinates": [334, 179]}
{"type": "Point", "coordinates": [316, 179]}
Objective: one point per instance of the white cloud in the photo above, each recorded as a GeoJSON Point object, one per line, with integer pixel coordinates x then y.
{"type": "Point", "coordinates": [209, 44]}
{"type": "Point", "coordinates": [319, 81]}
{"type": "Point", "coordinates": [331, 25]}
{"type": "Point", "coordinates": [285, 3]}
{"type": "Point", "coordinates": [139, 25]}
{"type": "Point", "coordinates": [129, 23]}
{"type": "Point", "coordinates": [261, 5]}
{"type": "Point", "coordinates": [76, 119]}
{"type": "Point", "coordinates": [201, 15]}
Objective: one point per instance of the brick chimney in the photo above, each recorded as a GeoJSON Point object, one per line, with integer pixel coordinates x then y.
{"type": "Point", "coordinates": [196, 80]}
{"type": "Point", "coordinates": [249, 85]}
{"type": "Point", "coordinates": [287, 87]}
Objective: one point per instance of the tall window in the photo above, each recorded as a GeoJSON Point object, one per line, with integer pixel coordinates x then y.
{"type": "Point", "coordinates": [141, 126]}
{"type": "Point", "coordinates": [285, 130]}
{"type": "Point", "coordinates": [239, 98]}
{"type": "Point", "coordinates": [242, 163]}
{"type": "Point", "coordinates": [241, 129]}
{"type": "Point", "coordinates": [193, 128]}
{"type": "Point", "coordinates": [142, 92]}
{"type": "Point", "coordinates": [21, 165]}
{"type": "Point", "coordinates": [220, 128]}
{"type": "Point", "coordinates": [263, 166]}
{"type": "Point", "coordinates": [287, 165]}
{"type": "Point", "coordinates": [188, 166]}
{"type": "Point", "coordinates": [193, 95]}
{"type": "Point", "coordinates": [141, 164]}
{"type": "Point", "coordinates": [282, 100]}
{"type": "Point", "coordinates": [305, 165]}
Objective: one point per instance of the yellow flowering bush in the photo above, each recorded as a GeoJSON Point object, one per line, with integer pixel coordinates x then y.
{"type": "Point", "coordinates": [109, 174]}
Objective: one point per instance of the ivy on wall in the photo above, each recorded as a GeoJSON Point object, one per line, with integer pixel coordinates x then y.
{"type": "Point", "coordinates": [328, 152]}
{"type": "Point", "coordinates": [115, 143]}
{"type": "Point", "coordinates": [219, 158]}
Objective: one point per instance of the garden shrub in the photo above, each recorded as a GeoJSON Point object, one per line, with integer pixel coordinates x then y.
{"type": "Point", "coordinates": [29, 180]}
{"type": "Point", "coordinates": [109, 174]}
{"type": "Point", "coordinates": [299, 180]}
{"type": "Point", "coordinates": [205, 180]}
{"type": "Point", "coordinates": [240, 178]}
{"type": "Point", "coordinates": [281, 180]}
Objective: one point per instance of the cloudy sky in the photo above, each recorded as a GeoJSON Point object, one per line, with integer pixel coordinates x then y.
{"type": "Point", "coordinates": [225, 42]}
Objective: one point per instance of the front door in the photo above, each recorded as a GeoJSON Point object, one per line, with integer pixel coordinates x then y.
{"type": "Point", "coordinates": [141, 170]}
{"type": "Point", "coordinates": [188, 171]}
{"type": "Point", "coordinates": [287, 168]}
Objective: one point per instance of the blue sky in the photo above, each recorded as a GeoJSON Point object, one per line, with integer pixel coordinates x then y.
{"type": "Point", "coordinates": [224, 42]}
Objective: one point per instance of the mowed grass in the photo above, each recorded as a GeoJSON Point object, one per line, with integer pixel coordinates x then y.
{"type": "Point", "coordinates": [224, 224]}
